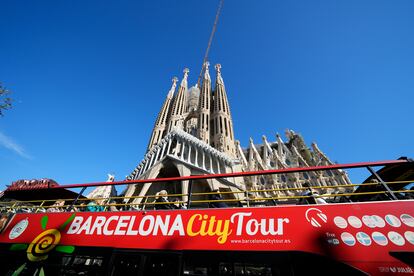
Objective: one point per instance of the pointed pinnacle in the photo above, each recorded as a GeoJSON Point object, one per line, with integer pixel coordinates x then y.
{"type": "Point", "coordinates": [218, 68]}
{"type": "Point", "coordinates": [173, 86]}
{"type": "Point", "coordinates": [184, 80]}
{"type": "Point", "coordinates": [206, 73]}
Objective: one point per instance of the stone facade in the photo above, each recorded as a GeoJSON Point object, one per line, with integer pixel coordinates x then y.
{"type": "Point", "coordinates": [193, 134]}
{"type": "Point", "coordinates": [283, 155]}
{"type": "Point", "coordinates": [103, 193]}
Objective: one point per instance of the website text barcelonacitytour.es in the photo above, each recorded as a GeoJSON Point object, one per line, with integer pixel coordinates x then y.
{"type": "Point", "coordinates": [369, 230]}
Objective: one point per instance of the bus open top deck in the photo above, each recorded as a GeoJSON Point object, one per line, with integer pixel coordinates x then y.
{"type": "Point", "coordinates": [253, 236]}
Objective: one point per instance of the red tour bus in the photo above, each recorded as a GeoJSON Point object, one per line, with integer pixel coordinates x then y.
{"type": "Point", "coordinates": [352, 237]}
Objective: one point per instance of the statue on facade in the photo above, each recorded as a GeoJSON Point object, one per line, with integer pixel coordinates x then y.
{"type": "Point", "coordinates": [180, 124]}
{"type": "Point", "coordinates": [111, 178]}
{"type": "Point", "coordinates": [220, 144]}
{"type": "Point", "coordinates": [289, 134]}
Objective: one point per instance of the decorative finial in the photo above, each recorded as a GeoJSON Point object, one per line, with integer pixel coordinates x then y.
{"type": "Point", "coordinates": [184, 80]}
{"type": "Point", "coordinates": [251, 140]}
{"type": "Point", "coordinates": [218, 67]}
{"type": "Point", "coordinates": [111, 178]}
{"type": "Point", "coordinates": [173, 86]}
{"type": "Point", "coordinates": [219, 79]}
{"type": "Point", "coordinates": [206, 73]}
{"type": "Point", "coordinates": [289, 133]}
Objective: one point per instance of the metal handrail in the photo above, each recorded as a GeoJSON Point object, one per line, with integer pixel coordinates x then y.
{"type": "Point", "coordinates": [43, 201]}
{"type": "Point", "coordinates": [32, 204]}
{"type": "Point", "coordinates": [236, 174]}
{"type": "Point", "coordinates": [63, 207]}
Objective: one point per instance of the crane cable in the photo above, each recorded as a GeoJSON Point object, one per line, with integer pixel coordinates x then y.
{"type": "Point", "coordinates": [210, 40]}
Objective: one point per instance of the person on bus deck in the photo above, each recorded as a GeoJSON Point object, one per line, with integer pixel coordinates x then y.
{"type": "Point", "coordinates": [112, 206]}
{"type": "Point", "coordinates": [312, 196]}
{"type": "Point", "coordinates": [309, 199]}
{"type": "Point", "coordinates": [80, 208]}
{"type": "Point", "coordinates": [161, 200]}
{"type": "Point", "coordinates": [57, 206]}
{"type": "Point", "coordinates": [178, 204]}
{"type": "Point", "coordinates": [318, 199]}
{"type": "Point", "coordinates": [3, 221]}
{"type": "Point", "coordinates": [93, 206]}
{"type": "Point", "coordinates": [214, 200]}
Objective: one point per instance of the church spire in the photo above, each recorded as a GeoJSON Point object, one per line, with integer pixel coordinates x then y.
{"type": "Point", "coordinates": [160, 124]}
{"type": "Point", "coordinates": [172, 89]}
{"type": "Point", "coordinates": [184, 82]}
{"type": "Point", "coordinates": [222, 136]}
{"type": "Point", "coordinates": [203, 130]}
{"type": "Point", "coordinates": [219, 79]}
{"type": "Point", "coordinates": [206, 73]}
{"type": "Point", "coordinates": [179, 106]}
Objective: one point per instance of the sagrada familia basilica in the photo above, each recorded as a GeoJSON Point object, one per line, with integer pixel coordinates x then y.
{"type": "Point", "coordinates": [193, 135]}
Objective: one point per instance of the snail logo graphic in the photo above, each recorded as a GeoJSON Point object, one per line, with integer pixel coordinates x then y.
{"type": "Point", "coordinates": [43, 243]}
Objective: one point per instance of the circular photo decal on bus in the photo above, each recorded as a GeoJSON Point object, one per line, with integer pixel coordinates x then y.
{"type": "Point", "coordinates": [379, 238]}
{"type": "Point", "coordinates": [18, 229]}
{"type": "Point", "coordinates": [363, 238]}
{"type": "Point", "coordinates": [348, 239]}
{"type": "Point", "coordinates": [355, 222]}
{"type": "Point", "coordinates": [393, 220]}
{"type": "Point", "coordinates": [409, 236]}
{"type": "Point", "coordinates": [407, 220]}
{"type": "Point", "coordinates": [340, 222]}
{"type": "Point", "coordinates": [378, 221]}
{"type": "Point", "coordinates": [368, 221]}
{"type": "Point", "coordinates": [396, 238]}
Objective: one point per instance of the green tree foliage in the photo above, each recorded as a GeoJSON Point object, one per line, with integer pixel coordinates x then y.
{"type": "Point", "coordinates": [5, 100]}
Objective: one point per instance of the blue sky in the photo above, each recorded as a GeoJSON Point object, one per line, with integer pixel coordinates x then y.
{"type": "Point", "coordinates": [89, 77]}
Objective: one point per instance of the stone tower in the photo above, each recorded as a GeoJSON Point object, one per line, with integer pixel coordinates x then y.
{"type": "Point", "coordinates": [203, 131]}
{"type": "Point", "coordinates": [161, 123]}
{"type": "Point", "coordinates": [179, 106]}
{"type": "Point", "coordinates": [222, 137]}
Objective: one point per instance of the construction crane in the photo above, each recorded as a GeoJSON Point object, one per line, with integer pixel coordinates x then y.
{"type": "Point", "coordinates": [210, 40]}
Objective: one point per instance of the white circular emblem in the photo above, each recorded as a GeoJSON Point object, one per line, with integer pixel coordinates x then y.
{"type": "Point", "coordinates": [396, 238]}
{"type": "Point", "coordinates": [355, 222]}
{"type": "Point", "coordinates": [379, 238]}
{"type": "Point", "coordinates": [363, 238]}
{"type": "Point", "coordinates": [348, 239]}
{"type": "Point", "coordinates": [340, 222]}
{"type": "Point", "coordinates": [18, 229]}
{"type": "Point", "coordinates": [409, 236]}
{"type": "Point", "coordinates": [368, 221]}
{"type": "Point", "coordinates": [379, 222]}
{"type": "Point", "coordinates": [407, 220]}
{"type": "Point", "coordinates": [393, 220]}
